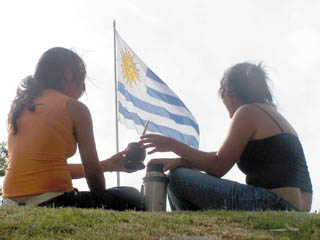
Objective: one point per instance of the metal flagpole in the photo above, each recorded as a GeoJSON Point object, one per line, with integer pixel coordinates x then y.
{"type": "Point", "coordinates": [116, 94]}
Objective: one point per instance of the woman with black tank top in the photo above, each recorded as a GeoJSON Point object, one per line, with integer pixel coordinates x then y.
{"type": "Point", "coordinates": [260, 141]}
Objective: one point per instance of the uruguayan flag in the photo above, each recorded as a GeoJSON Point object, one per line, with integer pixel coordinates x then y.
{"type": "Point", "coordinates": [143, 96]}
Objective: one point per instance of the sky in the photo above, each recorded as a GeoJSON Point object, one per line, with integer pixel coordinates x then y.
{"type": "Point", "coordinates": [188, 44]}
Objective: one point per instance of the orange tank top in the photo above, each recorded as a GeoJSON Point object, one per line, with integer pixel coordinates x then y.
{"type": "Point", "coordinates": [39, 151]}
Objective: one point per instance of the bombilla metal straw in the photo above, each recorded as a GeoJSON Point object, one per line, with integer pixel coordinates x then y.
{"type": "Point", "coordinates": [145, 128]}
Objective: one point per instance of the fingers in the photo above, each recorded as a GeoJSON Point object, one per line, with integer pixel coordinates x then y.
{"type": "Point", "coordinates": [119, 154]}
{"type": "Point", "coordinates": [145, 141]}
{"type": "Point", "coordinates": [148, 136]}
{"type": "Point", "coordinates": [166, 162]}
{"type": "Point", "coordinates": [150, 145]}
{"type": "Point", "coordinates": [156, 160]}
{"type": "Point", "coordinates": [153, 151]}
{"type": "Point", "coordinates": [166, 168]}
{"type": "Point", "coordinates": [128, 170]}
{"type": "Point", "coordinates": [147, 146]}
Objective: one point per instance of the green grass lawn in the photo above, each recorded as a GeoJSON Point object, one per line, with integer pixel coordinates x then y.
{"type": "Point", "coordinates": [70, 223]}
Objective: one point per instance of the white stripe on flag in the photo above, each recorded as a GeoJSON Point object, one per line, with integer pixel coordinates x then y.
{"type": "Point", "coordinates": [158, 119]}
{"type": "Point", "coordinates": [144, 96]}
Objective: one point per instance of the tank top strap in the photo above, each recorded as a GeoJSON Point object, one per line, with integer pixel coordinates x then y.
{"type": "Point", "coordinates": [270, 117]}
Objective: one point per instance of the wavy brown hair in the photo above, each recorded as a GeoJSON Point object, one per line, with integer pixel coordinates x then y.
{"type": "Point", "coordinates": [49, 74]}
{"type": "Point", "coordinates": [248, 81]}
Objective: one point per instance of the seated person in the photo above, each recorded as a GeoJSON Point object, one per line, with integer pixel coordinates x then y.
{"type": "Point", "coordinates": [260, 141]}
{"type": "Point", "coordinates": [46, 124]}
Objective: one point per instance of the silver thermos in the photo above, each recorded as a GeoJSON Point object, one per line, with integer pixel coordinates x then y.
{"type": "Point", "coordinates": [155, 188]}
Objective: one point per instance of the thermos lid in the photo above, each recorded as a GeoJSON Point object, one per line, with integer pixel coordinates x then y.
{"type": "Point", "coordinates": [155, 167]}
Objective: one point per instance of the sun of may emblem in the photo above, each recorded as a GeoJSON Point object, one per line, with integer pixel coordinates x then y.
{"type": "Point", "coordinates": [129, 69]}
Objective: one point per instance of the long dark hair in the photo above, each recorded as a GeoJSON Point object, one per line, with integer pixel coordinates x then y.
{"type": "Point", "coordinates": [248, 81]}
{"type": "Point", "coordinates": [49, 74]}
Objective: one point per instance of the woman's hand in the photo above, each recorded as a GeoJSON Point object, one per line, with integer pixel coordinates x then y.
{"type": "Point", "coordinates": [158, 142]}
{"type": "Point", "coordinates": [168, 163]}
{"type": "Point", "coordinates": [117, 163]}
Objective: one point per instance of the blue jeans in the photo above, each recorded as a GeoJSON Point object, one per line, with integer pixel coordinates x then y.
{"type": "Point", "coordinates": [193, 190]}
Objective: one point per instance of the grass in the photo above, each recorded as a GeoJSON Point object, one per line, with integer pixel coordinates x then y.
{"type": "Point", "coordinates": [26, 222]}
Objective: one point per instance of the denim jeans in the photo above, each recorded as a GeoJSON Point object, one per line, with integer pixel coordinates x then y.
{"type": "Point", "coordinates": [193, 190]}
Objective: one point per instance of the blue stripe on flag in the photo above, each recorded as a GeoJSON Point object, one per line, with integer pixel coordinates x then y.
{"type": "Point", "coordinates": [161, 111]}
{"type": "Point", "coordinates": [153, 76]}
{"type": "Point", "coordinates": [187, 139]}
{"type": "Point", "coordinates": [166, 98]}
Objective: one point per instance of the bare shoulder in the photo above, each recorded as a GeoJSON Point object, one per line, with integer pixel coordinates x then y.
{"type": "Point", "coordinates": [249, 108]}
{"type": "Point", "coordinates": [247, 112]}
{"type": "Point", "coordinates": [254, 111]}
{"type": "Point", "coordinates": [246, 120]}
{"type": "Point", "coordinates": [77, 109]}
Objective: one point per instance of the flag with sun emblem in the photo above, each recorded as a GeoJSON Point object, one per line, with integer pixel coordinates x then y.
{"type": "Point", "coordinates": [143, 96]}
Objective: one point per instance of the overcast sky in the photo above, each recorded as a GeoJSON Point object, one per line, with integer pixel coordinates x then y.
{"type": "Point", "coordinates": [188, 44]}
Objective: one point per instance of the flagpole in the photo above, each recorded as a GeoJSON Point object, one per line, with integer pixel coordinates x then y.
{"type": "Point", "coordinates": [116, 94]}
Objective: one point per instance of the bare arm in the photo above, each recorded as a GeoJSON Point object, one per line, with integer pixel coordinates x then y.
{"type": "Point", "coordinates": [91, 168]}
{"type": "Point", "coordinates": [83, 128]}
{"type": "Point", "coordinates": [214, 163]}
{"type": "Point", "coordinates": [76, 170]}
{"type": "Point", "coordinates": [114, 163]}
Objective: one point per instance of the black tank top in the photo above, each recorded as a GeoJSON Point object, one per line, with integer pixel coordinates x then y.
{"type": "Point", "coordinates": [276, 161]}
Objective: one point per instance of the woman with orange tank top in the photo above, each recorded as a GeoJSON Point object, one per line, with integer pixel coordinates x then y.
{"type": "Point", "coordinates": [46, 125]}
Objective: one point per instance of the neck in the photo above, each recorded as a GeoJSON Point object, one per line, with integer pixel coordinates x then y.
{"type": "Point", "coordinates": [235, 106]}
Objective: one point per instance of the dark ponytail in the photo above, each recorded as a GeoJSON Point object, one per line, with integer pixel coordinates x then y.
{"type": "Point", "coordinates": [49, 74]}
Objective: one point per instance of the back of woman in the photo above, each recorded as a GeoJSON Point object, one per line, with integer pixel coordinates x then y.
{"type": "Point", "coordinates": [274, 157]}
{"type": "Point", "coordinates": [46, 125]}
{"type": "Point", "coordinates": [39, 150]}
